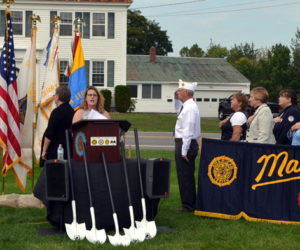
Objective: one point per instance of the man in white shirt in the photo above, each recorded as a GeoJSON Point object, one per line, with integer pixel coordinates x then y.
{"type": "Point", "coordinates": [187, 134]}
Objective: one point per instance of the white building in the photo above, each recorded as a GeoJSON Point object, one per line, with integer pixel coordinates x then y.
{"type": "Point", "coordinates": [154, 79]}
{"type": "Point", "coordinates": [104, 37]}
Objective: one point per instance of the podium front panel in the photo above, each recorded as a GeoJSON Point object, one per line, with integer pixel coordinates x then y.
{"type": "Point", "coordinates": [99, 137]}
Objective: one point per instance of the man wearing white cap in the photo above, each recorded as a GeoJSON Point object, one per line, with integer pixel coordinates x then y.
{"type": "Point", "coordinates": [187, 134]}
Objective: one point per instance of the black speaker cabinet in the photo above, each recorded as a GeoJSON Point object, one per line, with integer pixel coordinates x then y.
{"type": "Point", "coordinates": [158, 173]}
{"type": "Point", "coordinates": [57, 180]}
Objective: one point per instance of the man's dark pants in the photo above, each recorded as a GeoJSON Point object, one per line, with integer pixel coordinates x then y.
{"type": "Point", "coordinates": [185, 174]}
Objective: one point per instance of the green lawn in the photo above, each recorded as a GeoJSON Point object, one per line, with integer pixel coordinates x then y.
{"type": "Point", "coordinates": [18, 227]}
{"type": "Point", "coordinates": [161, 122]}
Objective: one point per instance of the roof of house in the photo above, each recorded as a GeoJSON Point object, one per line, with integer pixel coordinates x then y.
{"type": "Point", "coordinates": [99, 1]}
{"type": "Point", "coordinates": [193, 69]}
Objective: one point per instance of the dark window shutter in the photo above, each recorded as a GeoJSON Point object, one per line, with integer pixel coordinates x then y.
{"type": "Point", "coordinates": [110, 73]}
{"type": "Point", "coordinates": [28, 25]}
{"type": "Point", "coordinates": [86, 28]}
{"type": "Point", "coordinates": [2, 22]}
{"type": "Point", "coordinates": [87, 71]}
{"type": "Point", "coordinates": [111, 25]}
{"type": "Point", "coordinates": [52, 13]}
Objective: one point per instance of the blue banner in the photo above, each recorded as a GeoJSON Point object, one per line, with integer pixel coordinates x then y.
{"type": "Point", "coordinates": [259, 182]}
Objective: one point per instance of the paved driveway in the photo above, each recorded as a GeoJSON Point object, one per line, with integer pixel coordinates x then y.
{"type": "Point", "coordinates": [158, 140]}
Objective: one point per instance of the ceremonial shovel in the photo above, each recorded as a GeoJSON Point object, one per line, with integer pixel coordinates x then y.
{"type": "Point", "coordinates": [93, 235]}
{"type": "Point", "coordinates": [117, 239]}
{"type": "Point", "coordinates": [148, 226]}
{"type": "Point", "coordinates": [135, 234]}
{"type": "Point", "coordinates": [75, 231]}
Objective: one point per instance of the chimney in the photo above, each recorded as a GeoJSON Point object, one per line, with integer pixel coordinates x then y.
{"type": "Point", "coordinates": [152, 54]}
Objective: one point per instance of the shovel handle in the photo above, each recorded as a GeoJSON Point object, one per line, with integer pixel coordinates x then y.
{"type": "Point", "coordinates": [137, 147]}
{"type": "Point", "coordinates": [87, 174]}
{"type": "Point", "coordinates": [69, 162]}
{"type": "Point", "coordinates": [108, 182]}
{"type": "Point", "coordinates": [126, 173]}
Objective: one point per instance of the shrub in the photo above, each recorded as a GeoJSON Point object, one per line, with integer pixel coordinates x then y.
{"type": "Point", "coordinates": [122, 98]}
{"type": "Point", "coordinates": [107, 95]}
{"type": "Point", "coordinates": [132, 105]}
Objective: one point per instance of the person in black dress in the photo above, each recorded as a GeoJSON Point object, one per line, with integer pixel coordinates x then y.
{"type": "Point", "coordinates": [60, 120]}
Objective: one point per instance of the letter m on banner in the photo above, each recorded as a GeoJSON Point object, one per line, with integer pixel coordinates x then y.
{"type": "Point", "coordinates": [9, 107]}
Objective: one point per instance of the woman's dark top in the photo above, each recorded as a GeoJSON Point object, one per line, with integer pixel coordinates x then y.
{"type": "Point", "coordinates": [227, 129]}
{"type": "Point", "coordinates": [60, 120]}
{"type": "Point", "coordinates": [290, 116]}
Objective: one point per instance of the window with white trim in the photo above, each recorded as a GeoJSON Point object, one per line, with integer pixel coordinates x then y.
{"type": "Point", "coordinates": [17, 22]}
{"type": "Point", "coordinates": [98, 24]}
{"type": "Point", "coordinates": [98, 73]}
{"type": "Point", "coordinates": [66, 23]}
{"type": "Point", "coordinates": [63, 79]}
{"type": "Point", "coordinates": [151, 91]}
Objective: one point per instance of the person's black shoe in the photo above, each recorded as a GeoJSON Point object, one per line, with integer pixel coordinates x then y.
{"type": "Point", "coordinates": [184, 210]}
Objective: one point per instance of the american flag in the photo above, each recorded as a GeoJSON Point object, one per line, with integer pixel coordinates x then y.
{"type": "Point", "coordinates": [9, 108]}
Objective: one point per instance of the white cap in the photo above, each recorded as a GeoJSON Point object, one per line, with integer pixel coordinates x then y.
{"type": "Point", "coordinates": [187, 85]}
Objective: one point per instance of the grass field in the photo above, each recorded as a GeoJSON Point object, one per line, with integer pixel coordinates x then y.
{"type": "Point", "coordinates": [19, 227]}
{"type": "Point", "coordinates": [162, 122]}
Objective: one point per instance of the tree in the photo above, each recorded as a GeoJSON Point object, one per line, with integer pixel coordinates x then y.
{"type": "Point", "coordinates": [295, 46]}
{"type": "Point", "coordinates": [216, 51]}
{"type": "Point", "coordinates": [194, 51]}
{"type": "Point", "coordinates": [243, 50]}
{"type": "Point", "coordinates": [143, 33]}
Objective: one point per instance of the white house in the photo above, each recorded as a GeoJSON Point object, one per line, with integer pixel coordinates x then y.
{"type": "Point", "coordinates": [154, 79]}
{"type": "Point", "coordinates": [104, 37]}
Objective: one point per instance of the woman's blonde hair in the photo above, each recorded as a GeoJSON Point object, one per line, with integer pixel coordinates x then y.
{"type": "Point", "coordinates": [100, 101]}
{"type": "Point", "coordinates": [261, 94]}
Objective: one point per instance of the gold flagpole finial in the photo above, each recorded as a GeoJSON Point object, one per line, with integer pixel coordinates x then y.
{"type": "Point", "coordinates": [8, 2]}
{"type": "Point", "coordinates": [34, 18]}
{"type": "Point", "coordinates": [78, 22]}
{"type": "Point", "coordinates": [55, 19]}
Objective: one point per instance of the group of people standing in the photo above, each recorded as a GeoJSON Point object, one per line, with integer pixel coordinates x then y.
{"type": "Point", "coordinates": [261, 127]}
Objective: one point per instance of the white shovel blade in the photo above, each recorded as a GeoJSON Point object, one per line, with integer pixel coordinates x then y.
{"type": "Point", "coordinates": [135, 234]}
{"type": "Point", "coordinates": [148, 226]}
{"type": "Point", "coordinates": [117, 239]}
{"type": "Point", "coordinates": [96, 236]}
{"type": "Point", "coordinates": [75, 231]}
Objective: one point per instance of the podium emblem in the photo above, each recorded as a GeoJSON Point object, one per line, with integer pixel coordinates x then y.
{"type": "Point", "coordinates": [79, 140]}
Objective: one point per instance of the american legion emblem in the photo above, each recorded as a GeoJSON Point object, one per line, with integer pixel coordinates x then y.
{"type": "Point", "coordinates": [222, 171]}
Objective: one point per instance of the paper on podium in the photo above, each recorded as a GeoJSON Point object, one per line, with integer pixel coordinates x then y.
{"type": "Point", "coordinates": [95, 115]}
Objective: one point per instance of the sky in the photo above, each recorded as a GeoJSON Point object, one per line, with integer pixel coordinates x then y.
{"type": "Point", "coordinates": [224, 22]}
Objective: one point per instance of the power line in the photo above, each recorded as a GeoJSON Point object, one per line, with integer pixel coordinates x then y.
{"type": "Point", "coordinates": [165, 5]}
{"type": "Point", "coordinates": [216, 7]}
{"type": "Point", "coordinates": [226, 11]}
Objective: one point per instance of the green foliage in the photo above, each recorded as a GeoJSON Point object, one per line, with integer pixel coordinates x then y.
{"type": "Point", "coordinates": [216, 51]}
{"type": "Point", "coordinates": [143, 33]}
{"type": "Point", "coordinates": [107, 96]}
{"type": "Point", "coordinates": [194, 51]}
{"type": "Point", "coordinates": [122, 98]}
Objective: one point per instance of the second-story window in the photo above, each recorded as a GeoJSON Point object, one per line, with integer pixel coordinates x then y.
{"type": "Point", "coordinates": [98, 24]}
{"type": "Point", "coordinates": [98, 73]}
{"type": "Point", "coordinates": [66, 24]}
{"type": "Point", "coordinates": [17, 22]}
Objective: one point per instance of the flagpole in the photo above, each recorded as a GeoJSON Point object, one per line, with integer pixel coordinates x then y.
{"type": "Point", "coordinates": [34, 18]}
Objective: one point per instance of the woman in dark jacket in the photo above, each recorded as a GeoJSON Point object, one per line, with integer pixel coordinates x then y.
{"type": "Point", "coordinates": [287, 117]}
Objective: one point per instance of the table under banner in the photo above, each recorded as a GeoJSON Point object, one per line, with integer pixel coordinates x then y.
{"type": "Point", "coordinates": [259, 182]}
